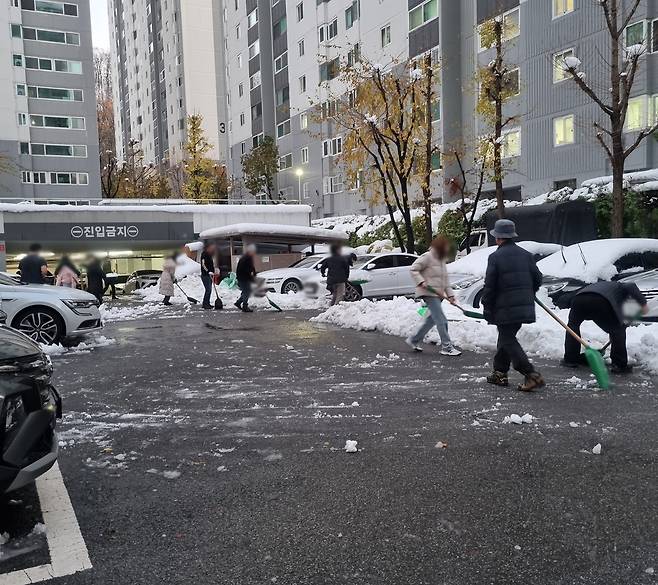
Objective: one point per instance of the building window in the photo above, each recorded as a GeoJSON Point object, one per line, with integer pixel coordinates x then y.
{"type": "Point", "coordinates": [562, 7]}
{"type": "Point", "coordinates": [301, 46]}
{"type": "Point", "coordinates": [54, 93]}
{"type": "Point", "coordinates": [22, 119]}
{"type": "Point", "coordinates": [280, 27]}
{"type": "Point", "coordinates": [385, 35]}
{"type": "Point", "coordinates": [51, 7]}
{"type": "Point", "coordinates": [254, 49]}
{"type": "Point", "coordinates": [636, 34]}
{"type": "Point", "coordinates": [354, 55]}
{"type": "Point", "coordinates": [636, 116]}
{"type": "Point", "coordinates": [333, 184]}
{"type": "Point", "coordinates": [332, 146]}
{"type": "Point", "coordinates": [329, 70]}
{"type": "Point", "coordinates": [306, 190]}
{"type": "Point", "coordinates": [257, 140]}
{"type": "Point", "coordinates": [282, 95]}
{"type": "Point", "coordinates": [54, 178]}
{"type": "Point", "coordinates": [435, 161]}
{"type": "Point", "coordinates": [59, 65]}
{"type": "Point", "coordinates": [654, 36]}
{"type": "Point", "coordinates": [302, 84]}
{"type": "Point", "coordinates": [563, 130]}
{"type": "Point", "coordinates": [17, 60]}
{"type": "Point", "coordinates": [512, 83]}
{"type": "Point", "coordinates": [36, 149]}
{"type": "Point", "coordinates": [303, 120]}
{"type": "Point", "coordinates": [300, 11]}
{"type": "Point", "coordinates": [283, 129]}
{"type": "Point", "coordinates": [238, 31]}
{"type": "Point", "coordinates": [654, 102]}
{"type": "Point", "coordinates": [352, 14]}
{"type": "Point", "coordinates": [327, 32]}
{"type": "Point", "coordinates": [257, 111]}
{"type": "Point", "coordinates": [20, 89]}
{"type": "Point", "coordinates": [240, 89]}
{"type": "Point", "coordinates": [511, 144]}
{"type": "Point", "coordinates": [423, 13]}
{"type": "Point", "coordinates": [303, 155]}
{"type": "Point", "coordinates": [436, 110]}
{"type": "Point", "coordinates": [242, 119]}
{"type": "Point", "coordinates": [560, 72]}
{"type": "Point", "coordinates": [254, 80]}
{"type": "Point", "coordinates": [243, 147]}
{"type": "Point", "coordinates": [511, 24]}
{"type": "Point", "coordinates": [66, 122]}
{"type": "Point", "coordinates": [45, 35]}
{"type": "Point", "coordinates": [281, 62]}
{"type": "Point", "coordinates": [285, 162]}
{"type": "Point", "coordinates": [252, 18]}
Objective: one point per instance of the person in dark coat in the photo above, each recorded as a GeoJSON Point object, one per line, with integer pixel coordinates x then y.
{"type": "Point", "coordinates": [95, 278]}
{"type": "Point", "coordinates": [245, 274]}
{"type": "Point", "coordinates": [510, 285]}
{"type": "Point", "coordinates": [337, 270]}
{"type": "Point", "coordinates": [207, 272]}
{"type": "Point", "coordinates": [33, 268]}
{"type": "Point", "coordinates": [602, 303]}
{"type": "Point", "coordinates": [110, 282]}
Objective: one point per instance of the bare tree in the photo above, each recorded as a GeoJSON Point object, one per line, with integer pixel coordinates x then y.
{"type": "Point", "coordinates": [623, 64]}
{"type": "Point", "coordinates": [109, 165]}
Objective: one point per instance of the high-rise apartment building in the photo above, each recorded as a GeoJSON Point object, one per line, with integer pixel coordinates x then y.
{"type": "Point", "coordinates": [283, 56]}
{"type": "Point", "coordinates": [48, 134]}
{"type": "Point", "coordinates": [168, 63]}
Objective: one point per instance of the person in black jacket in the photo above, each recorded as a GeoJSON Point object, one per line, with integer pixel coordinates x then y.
{"type": "Point", "coordinates": [95, 278]}
{"type": "Point", "coordinates": [207, 272]}
{"type": "Point", "coordinates": [602, 303]}
{"type": "Point", "coordinates": [337, 270]}
{"type": "Point", "coordinates": [510, 285]}
{"type": "Point", "coordinates": [245, 274]}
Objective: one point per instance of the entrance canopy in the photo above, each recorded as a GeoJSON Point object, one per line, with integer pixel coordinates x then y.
{"type": "Point", "coordinates": [275, 233]}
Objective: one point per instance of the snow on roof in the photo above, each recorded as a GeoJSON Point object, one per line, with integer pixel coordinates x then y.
{"type": "Point", "coordinates": [592, 261]}
{"type": "Point", "coordinates": [189, 208]}
{"type": "Point", "coordinates": [275, 230]}
{"type": "Point", "coordinates": [476, 262]}
{"type": "Point", "coordinates": [632, 178]}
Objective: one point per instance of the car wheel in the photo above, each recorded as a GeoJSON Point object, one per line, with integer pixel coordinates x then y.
{"type": "Point", "coordinates": [353, 292]}
{"type": "Point", "coordinates": [41, 325]}
{"type": "Point", "coordinates": [291, 285]}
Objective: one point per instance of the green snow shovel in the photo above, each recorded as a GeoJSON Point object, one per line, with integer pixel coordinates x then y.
{"type": "Point", "coordinates": [593, 357]}
{"type": "Point", "coordinates": [273, 304]}
{"type": "Point", "coordinates": [467, 312]}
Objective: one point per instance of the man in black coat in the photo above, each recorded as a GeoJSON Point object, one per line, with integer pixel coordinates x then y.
{"type": "Point", "coordinates": [510, 285]}
{"type": "Point", "coordinates": [245, 274]}
{"type": "Point", "coordinates": [337, 270]}
{"type": "Point", "coordinates": [602, 303]}
{"type": "Point", "coordinates": [95, 278]}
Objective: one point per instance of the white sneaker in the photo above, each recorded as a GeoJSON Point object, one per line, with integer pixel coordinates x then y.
{"type": "Point", "coordinates": [415, 346]}
{"type": "Point", "coordinates": [449, 349]}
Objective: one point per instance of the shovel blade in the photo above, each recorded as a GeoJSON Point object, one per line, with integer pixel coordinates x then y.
{"type": "Point", "coordinates": [598, 367]}
{"type": "Point", "coordinates": [274, 305]}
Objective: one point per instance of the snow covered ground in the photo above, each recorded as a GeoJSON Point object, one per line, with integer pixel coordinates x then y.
{"type": "Point", "coordinates": [544, 338]}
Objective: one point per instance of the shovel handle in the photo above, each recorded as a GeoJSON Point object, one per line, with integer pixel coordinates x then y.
{"type": "Point", "coordinates": [444, 297]}
{"type": "Point", "coordinates": [568, 329]}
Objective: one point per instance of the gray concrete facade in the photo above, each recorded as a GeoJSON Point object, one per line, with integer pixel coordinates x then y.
{"type": "Point", "coordinates": [48, 104]}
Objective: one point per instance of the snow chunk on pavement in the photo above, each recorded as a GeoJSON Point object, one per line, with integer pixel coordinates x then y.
{"type": "Point", "coordinates": [350, 446]}
{"type": "Point", "coordinates": [518, 420]}
{"type": "Point", "coordinates": [597, 449]}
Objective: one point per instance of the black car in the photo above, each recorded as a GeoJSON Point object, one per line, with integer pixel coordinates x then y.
{"type": "Point", "coordinates": [29, 408]}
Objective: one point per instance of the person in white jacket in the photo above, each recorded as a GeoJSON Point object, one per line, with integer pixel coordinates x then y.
{"type": "Point", "coordinates": [430, 274]}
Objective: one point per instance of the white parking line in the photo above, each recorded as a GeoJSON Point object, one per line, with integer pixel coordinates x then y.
{"type": "Point", "coordinates": [68, 551]}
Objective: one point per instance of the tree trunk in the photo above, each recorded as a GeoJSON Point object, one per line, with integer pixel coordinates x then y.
{"type": "Point", "coordinates": [427, 190]}
{"type": "Point", "coordinates": [617, 218]}
{"type": "Point", "coordinates": [498, 163]}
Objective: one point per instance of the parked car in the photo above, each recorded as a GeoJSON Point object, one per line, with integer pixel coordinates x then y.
{"type": "Point", "coordinates": [29, 409]}
{"type": "Point", "coordinates": [573, 267]}
{"type": "Point", "coordinates": [373, 276]}
{"type": "Point", "coordinates": [141, 279]}
{"type": "Point", "coordinates": [46, 313]}
{"type": "Point", "coordinates": [467, 274]}
{"type": "Point", "coordinates": [477, 240]}
{"type": "Point", "coordinates": [291, 279]}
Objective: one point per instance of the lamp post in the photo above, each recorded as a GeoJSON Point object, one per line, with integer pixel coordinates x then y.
{"type": "Point", "coordinates": [300, 174]}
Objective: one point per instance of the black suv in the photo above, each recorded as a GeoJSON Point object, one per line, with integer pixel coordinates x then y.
{"type": "Point", "coordinates": [29, 407]}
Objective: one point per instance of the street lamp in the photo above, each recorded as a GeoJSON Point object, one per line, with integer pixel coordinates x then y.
{"type": "Point", "coordinates": [300, 174]}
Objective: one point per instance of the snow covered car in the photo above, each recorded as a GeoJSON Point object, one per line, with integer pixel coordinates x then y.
{"type": "Point", "coordinates": [374, 276]}
{"type": "Point", "coordinates": [292, 279]}
{"type": "Point", "coordinates": [29, 407]}
{"type": "Point", "coordinates": [467, 274]}
{"type": "Point", "coordinates": [141, 279]}
{"type": "Point", "coordinates": [573, 267]}
{"type": "Point", "coordinates": [47, 314]}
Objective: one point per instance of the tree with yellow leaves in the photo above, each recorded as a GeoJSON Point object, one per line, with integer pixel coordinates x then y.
{"type": "Point", "coordinates": [199, 169]}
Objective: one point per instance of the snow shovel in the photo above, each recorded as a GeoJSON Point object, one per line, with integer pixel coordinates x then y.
{"type": "Point", "coordinates": [467, 312]}
{"type": "Point", "coordinates": [190, 299]}
{"type": "Point", "coordinates": [273, 304]}
{"type": "Point", "coordinates": [219, 305]}
{"type": "Point", "coordinates": [635, 319]}
{"type": "Point", "coordinates": [593, 357]}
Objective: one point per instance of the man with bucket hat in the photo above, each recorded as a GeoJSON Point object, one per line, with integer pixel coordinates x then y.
{"type": "Point", "coordinates": [510, 285]}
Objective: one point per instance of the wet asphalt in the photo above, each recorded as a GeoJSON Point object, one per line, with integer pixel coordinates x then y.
{"type": "Point", "coordinates": [208, 449]}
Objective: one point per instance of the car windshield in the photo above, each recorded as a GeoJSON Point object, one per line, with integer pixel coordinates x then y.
{"type": "Point", "coordinates": [308, 262]}
{"type": "Point", "coordinates": [5, 279]}
{"type": "Point", "coordinates": [362, 260]}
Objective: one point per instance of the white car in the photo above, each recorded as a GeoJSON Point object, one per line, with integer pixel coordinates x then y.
{"type": "Point", "coordinates": [292, 279]}
{"type": "Point", "coordinates": [47, 314]}
{"type": "Point", "coordinates": [378, 275]}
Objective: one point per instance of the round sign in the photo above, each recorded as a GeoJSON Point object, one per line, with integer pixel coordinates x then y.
{"type": "Point", "coordinates": [132, 231]}
{"type": "Point", "coordinates": [76, 231]}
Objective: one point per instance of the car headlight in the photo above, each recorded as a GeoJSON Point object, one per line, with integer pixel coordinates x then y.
{"type": "Point", "coordinates": [77, 306]}
{"type": "Point", "coordinates": [273, 280]}
{"type": "Point", "coordinates": [466, 283]}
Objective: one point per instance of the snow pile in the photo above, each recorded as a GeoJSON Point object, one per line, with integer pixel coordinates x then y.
{"type": "Point", "coordinates": [544, 338]}
{"type": "Point", "coordinates": [350, 446]}
{"type": "Point", "coordinates": [186, 267]}
{"type": "Point", "coordinates": [518, 420]}
{"type": "Point", "coordinates": [131, 311]}
{"type": "Point", "coordinates": [597, 449]}
{"type": "Point", "coordinates": [592, 261]}
{"type": "Point", "coordinates": [91, 343]}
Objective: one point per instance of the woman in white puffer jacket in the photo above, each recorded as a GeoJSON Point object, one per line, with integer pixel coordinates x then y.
{"type": "Point", "coordinates": [433, 285]}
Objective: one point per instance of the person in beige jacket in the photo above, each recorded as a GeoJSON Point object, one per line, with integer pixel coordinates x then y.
{"type": "Point", "coordinates": [433, 285]}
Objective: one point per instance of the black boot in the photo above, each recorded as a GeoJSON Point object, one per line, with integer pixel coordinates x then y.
{"type": "Point", "coordinates": [498, 378]}
{"type": "Point", "coordinates": [238, 304]}
{"type": "Point", "coordinates": [532, 382]}
{"type": "Point", "coordinates": [246, 309]}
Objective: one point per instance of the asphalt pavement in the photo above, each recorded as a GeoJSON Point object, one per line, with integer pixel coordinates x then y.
{"type": "Point", "coordinates": [208, 448]}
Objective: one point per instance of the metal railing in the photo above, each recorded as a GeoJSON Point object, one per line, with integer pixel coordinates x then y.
{"type": "Point", "coordinates": [110, 202]}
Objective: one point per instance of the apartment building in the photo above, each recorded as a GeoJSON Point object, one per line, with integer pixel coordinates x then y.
{"type": "Point", "coordinates": [168, 63]}
{"type": "Point", "coordinates": [282, 56]}
{"type": "Point", "coordinates": [48, 134]}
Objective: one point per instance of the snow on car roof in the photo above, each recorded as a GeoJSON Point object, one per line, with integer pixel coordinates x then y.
{"type": "Point", "coordinates": [476, 262]}
{"type": "Point", "coordinates": [594, 260]}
